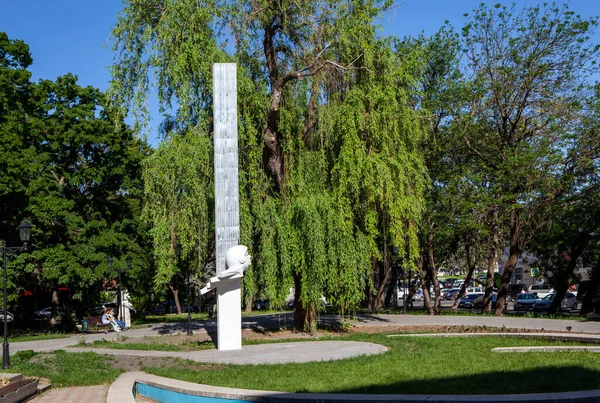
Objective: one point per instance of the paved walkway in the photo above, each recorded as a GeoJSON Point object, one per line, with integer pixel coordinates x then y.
{"type": "Point", "coordinates": [273, 352]}
{"type": "Point", "coordinates": [273, 321]}
{"type": "Point", "coordinates": [79, 394]}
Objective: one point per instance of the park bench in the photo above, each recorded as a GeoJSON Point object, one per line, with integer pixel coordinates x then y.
{"type": "Point", "coordinates": [96, 322]}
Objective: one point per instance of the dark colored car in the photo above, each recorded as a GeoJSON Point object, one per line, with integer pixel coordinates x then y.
{"type": "Point", "coordinates": [171, 307]}
{"type": "Point", "coordinates": [514, 290]}
{"type": "Point", "coordinates": [46, 313]}
{"type": "Point", "coordinates": [260, 305]}
{"type": "Point", "coordinates": [99, 309]}
{"type": "Point", "coordinates": [479, 301]}
{"type": "Point", "coordinates": [450, 294]}
{"type": "Point", "coordinates": [569, 302]}
{"type": "Point", "coordinates": [525, 301]}
{"type": "Point", "coordinates": [469, 300]}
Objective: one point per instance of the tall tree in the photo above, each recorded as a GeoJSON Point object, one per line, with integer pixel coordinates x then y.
{"type": "Point", "coordinates": [178, 192]}
{"type": "Point", "coordinates": [70, 172]}
{"type": "Point", "coordinates": [328, 164]}
{"type": "Point", "coordinates": [528, 73]}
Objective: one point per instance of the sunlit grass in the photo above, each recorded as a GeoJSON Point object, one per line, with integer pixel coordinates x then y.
{"type": "Point", "coordinates": [418, 366]}
{"type": "Point", "coordinates": [65, 369]}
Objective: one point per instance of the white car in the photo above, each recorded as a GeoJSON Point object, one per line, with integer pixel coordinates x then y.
{"type": "Point", "coordinates": [476, 290]}
{"type": "Point", "coordinates": [418, 296]}
{"type": "Point", "coordinates": [541, 290]}
{"type": "Point", "coordinates": [9, 316]}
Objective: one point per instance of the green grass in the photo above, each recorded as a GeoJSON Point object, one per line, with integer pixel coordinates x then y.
{"type": "Point", "coordinates": [40, 336]}
{"type": "Point", "coordinates": [417, 366]}
{"type": "Point", "coordinates": [65, 369]}
{"type": "Point", "coordinates": [412, 365]}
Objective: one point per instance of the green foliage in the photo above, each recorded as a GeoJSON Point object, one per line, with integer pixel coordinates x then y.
{"type": "Point", "coordinates": [351, 171]}
{"type": "Point", "coordinates": [178, 193]}
{"type": "Point", "coordinates": [71, 173]}
{"type": "Point", "coordinates": [65, 369]}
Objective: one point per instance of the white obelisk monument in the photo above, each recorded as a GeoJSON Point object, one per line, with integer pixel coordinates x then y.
{"type": "Point", "coordinates": [232, 258]}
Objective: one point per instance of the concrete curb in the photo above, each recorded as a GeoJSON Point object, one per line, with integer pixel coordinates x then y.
{"type": "Point", "coordinates": [583, 338]}
{"type": "Point", "coordinates": [544, 349]}
{"type": "Point", "coordinates": [121, 392]}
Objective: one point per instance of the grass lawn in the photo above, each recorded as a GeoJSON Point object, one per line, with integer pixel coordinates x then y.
{"type": "Point", "coordinates": [65, 369]}
{"type": "Point", "coordinates": [40, 336]}
{"type": "Point", "coordinates": [417, 366]}
{"type": "Point", "coordinates": [423, 365]}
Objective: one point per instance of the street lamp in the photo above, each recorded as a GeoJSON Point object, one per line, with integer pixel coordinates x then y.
{"type": "Point", "coordinates": [24, 234]}
{"type": "Point", "coordinates": [189, 308]}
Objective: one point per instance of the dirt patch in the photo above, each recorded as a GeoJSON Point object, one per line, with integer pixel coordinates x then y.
{"type": "Point", "coordinates": [133, 363]}
{"type": "Point", "coordinates": [203, 339]}
{"type": "Point", "coordinates": [439, 329]}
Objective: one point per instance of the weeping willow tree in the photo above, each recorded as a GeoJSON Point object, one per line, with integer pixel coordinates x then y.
{"type": "Point", "coordinates": [330, 170]}
{"type": "Point", "coordinates": [178, 190]}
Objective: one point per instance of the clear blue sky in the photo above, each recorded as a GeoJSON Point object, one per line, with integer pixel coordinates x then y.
{"type": "Point", "coordinates": [69, 36]}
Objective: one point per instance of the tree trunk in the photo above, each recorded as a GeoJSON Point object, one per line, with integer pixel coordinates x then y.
{"type": "Point", "coordinates": [384, 278]}
{"type": "Point", "coordinates": [492, 260]}
{"type": "Point", "coordinates": [470, 269]}
{"type": "Point", "coordinates": [591, 290]}
{"type": "Point", "coordinates": [514, 253]}
{"type": "Point", "coordinates": [304, 316]}
{"type": "Point", "coordinates": [248, 307]}
{"type": "Point", "coordinates": [424, 286]}
{"type": "Point", "coordinates": [392, 289]}
{"type": "Point", "coordinates": [432, 273]}
{"type": "Point", "coordinates": [55, 305]}
{"type": "Point", "coordinates": [175, 292]}
{"type": "Point", "coordinates": [567, 277]}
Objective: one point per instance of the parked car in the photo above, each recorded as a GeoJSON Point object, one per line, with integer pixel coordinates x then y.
{"type": "Point", "coordinates": [261, 305]}
{"type": "Point", "coordinates": [450, 294]}
{"type": "Point", "coordinates": [9, 316]}
{"type": "Point", "coordinates": [568, 303]}
{"type": "Point", "coordinates": [541, 290]}
{"type": "Point", "coordinates": [468, 301]}
{"type": "Point", "coordinates": [99, 309]}
{"type": "Point", "coordinates": [479, 301]}
{"type": "Point", "coordinates": [474, 290]}
{"type": "Point", "coordinates": [170, 307]}
{"type": "Point", "coordinates": [514, 290]}
{"type": "Point", "coordinates": [46, 313]}
{"type": "Point", "coordinates": [525, 301]}
{"type": "Point", "coordinates": [418, 295]}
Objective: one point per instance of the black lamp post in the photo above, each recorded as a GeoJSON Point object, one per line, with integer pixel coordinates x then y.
{"type": "Point", "coordinates": [189, 308]}
{"type": "Point", "coordinates": [24, 234]}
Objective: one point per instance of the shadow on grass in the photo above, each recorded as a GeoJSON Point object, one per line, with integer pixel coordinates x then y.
{"type": "Point", "coordinates": [542, 380]}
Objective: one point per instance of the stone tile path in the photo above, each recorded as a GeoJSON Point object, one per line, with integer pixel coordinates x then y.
{"type": "Point", "coordinates": [78, 394]}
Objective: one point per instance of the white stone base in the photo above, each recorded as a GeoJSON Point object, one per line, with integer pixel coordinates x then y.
{"type": "Point", "coordinates": [229, 315]}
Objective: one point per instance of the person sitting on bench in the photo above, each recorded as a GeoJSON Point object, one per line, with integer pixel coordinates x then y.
{"type": "Point", "coordinates": [108, 317]}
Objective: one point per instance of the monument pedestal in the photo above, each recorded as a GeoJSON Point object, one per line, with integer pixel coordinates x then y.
{"type": "Point", "coordinates": [229, 315]}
